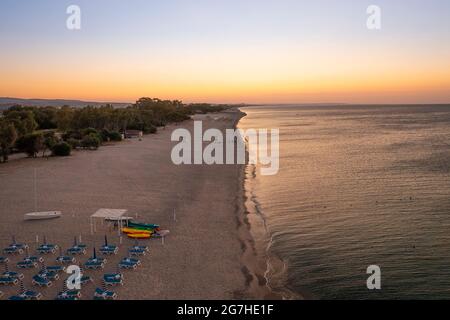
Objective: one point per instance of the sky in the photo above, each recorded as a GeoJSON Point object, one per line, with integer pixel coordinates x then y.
{"type": "Point", "coordinates": [227, 51]}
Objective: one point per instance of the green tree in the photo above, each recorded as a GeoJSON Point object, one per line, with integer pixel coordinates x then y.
{"type": "Point", "coordinates": [61, 149]}
{"type": "Point", "coordinates": [91, 141]}
{"type": "Point", "coordinates": [64, 118]}
{"type": "Point", "coordinates": [50, 141]}
{"type": "Point", "coordinates": [31, 144]}
{"type": "Point", "coordinates": [23, 120]}
{"type": "Point", "coordinates": [8, 136]}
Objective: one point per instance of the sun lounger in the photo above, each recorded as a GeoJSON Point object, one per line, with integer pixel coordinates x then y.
{"type": "Point", "coordinates": [51, 275]}
{"type": "Point", "coordinates": [13, 250]}
{"type": "Point", "coordinates": [4, 260]}
{"type": "Point", "coordinates": [11, 274]}
{"type": "Point", "coordinates": [57, 269]}
{"type": "Point", "coordinates": [27, 295]}
{"type": "Point", "coordinates": [109, 249]}
{"type": "Point", "coordinates": [65, 260]}
{"type": "Point", "coordinates": [76, 250]}
{"type": "Point", "coordinates": [18, 298]}
{"type": "Point", "coordinates": [86, 280]}
{"type": "Point", "coordinates": [34, 259]}
{"type": "Point", "coordinates": [138, 250]}
{"type": "Point", "coordinates": [69, 295]}
{"type": "Point", "coordinates": [8, 281]}
{"type": "Point", "coordinates": [41, 280]}
{"type": "Point", "coordinates": [27, 264]}
{"type": "Point", "coordinates": [113, 279]}
{"type": "Point", "coordinates": [102, 294]}
{"type": "Point", "coordinates": [47, 249]}
{"type": "Point", "coordinates": [95, 263]}
{"type": "Point", "coordinates": [129, 263]}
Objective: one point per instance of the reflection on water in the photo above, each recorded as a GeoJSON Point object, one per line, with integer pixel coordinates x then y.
{"type": "Point", "coordinates": [359, 185]}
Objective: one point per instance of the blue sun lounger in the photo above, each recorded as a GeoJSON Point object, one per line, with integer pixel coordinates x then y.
{"type": "Point", "coordinates": [27, 295]}
{"type": "Point", "coordinates": [57, 269]}
{"type": "Point", "coordinates": [113, 279]}
{"type": "Point", "coordinates": [109, 249]}
{"type": "Point", "coordinates": [4, 260]}
{"type": "Point", "coordinates": [8, 281]}
{"type": "Point", "coordinates": [18, 298]}
{"type": "Point", "coordinates": [69, 295]}
{"type": "Point", "coordinates": [28, 263]}
{"type": "Point", "coordinates": [76, 250]}
{"type": "Point", "coordinates": [86, 280]}
{"type": "Point", "coordinates": [47, 248]}
{"type": "Point", "coordinates": [138, 250]}
{"type": "Point", "coordinates": [13, 249]}
{"type": "Point", "coordinates": [129, 263]}
{"type": "Point", "coordinates": [11, 274]}
{"type": "Point", "coordinates": [95, 263]}
{"type": "Point", "coordinates": [102, 294]}
{"type": "Point", "coordinates": [41, 280]}
{"type": "Point", "coordinates": [51, 275]}
{"type": "Point", "coordinates": [65, 260]}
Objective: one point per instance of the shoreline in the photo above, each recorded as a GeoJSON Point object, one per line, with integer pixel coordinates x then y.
{"type": "Point", "coordinates": [254, 263]}
{"type": "Point", "coordinates": [260, 266]}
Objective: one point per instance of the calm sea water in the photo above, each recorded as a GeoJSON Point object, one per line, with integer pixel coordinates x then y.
{"type": "Point", "coordinates": [357, 186]}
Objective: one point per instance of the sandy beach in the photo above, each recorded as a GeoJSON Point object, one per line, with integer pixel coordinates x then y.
{"type": "Point", "coordinates": [206, 256]}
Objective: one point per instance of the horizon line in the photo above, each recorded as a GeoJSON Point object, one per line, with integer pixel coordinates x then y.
{"type": "Point", "coordinates": [234, 103]}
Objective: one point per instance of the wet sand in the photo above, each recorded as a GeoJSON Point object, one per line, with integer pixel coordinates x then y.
{"type": "Point", "coordinates": [206, 256]}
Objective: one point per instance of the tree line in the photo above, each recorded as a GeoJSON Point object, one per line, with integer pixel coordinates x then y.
{"type": "Point", "coordinates": [59, 130]}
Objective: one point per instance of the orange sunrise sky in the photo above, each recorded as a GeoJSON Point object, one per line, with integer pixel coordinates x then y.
{"type": "Point", "coordinates": [227, 51]}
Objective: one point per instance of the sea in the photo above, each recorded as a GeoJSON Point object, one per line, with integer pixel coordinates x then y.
{"type": "Point", "coordinates": [358, 186]}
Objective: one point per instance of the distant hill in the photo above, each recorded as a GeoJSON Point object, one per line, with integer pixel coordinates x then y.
{"type": "Point", "coordinates": [6, 103]}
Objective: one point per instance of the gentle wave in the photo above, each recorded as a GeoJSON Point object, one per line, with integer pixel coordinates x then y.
{"type": "Point", "coordinates": [357, 186]}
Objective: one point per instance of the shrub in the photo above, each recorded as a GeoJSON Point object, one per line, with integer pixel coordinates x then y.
{"type": "Point", "coordinates": [62, 149]}
{"type": "Point", "coordinates": [150, 130]}
{"type": "Point", "coordinates": [115, 136]}
{"type": "Point", "coordinates": [91, 141]}
{"type": "Point", "coordinates": [74, 143]}
{"type": "Point", "coordinates": [105, 135]}
{"type": "Point", "coordinates": [88, 131]}
{"type": "Point", "coordinates": [72, 134]}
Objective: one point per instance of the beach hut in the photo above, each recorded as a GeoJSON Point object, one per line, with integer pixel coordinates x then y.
{"type": "Point", "coordinates": [107, 214]}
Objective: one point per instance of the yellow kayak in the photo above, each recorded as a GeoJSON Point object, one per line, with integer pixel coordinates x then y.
{"type": "Point", "coordinates": [135, 231]}
{"type": "Point", "coordinates": [139, 235]}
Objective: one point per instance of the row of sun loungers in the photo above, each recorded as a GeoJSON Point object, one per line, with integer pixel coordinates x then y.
{"type": "Point", "coordinates": [48, 275]}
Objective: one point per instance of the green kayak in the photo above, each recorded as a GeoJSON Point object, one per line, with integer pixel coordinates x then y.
{"type": "Point", "coordinates": [143, 226]}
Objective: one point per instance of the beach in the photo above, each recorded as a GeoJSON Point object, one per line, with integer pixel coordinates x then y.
{"type": "Point", "coordinates": [208, 254]}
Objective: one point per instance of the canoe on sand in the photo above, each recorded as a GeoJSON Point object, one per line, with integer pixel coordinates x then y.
{"type": "Point", "coordinates": [143, 226]}
{"type": "Point", "coordinates": [139, 235]}
{"type": "Point", "coordinates": [135, 231]}
{"type": "Point", "coordinates": [43, 215]}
